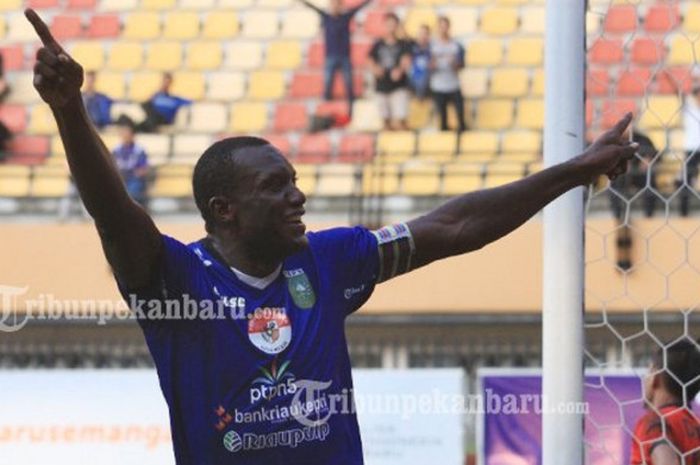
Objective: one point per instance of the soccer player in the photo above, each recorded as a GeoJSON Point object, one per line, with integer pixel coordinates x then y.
{"type": "Point", "coordinates": [269, 381]}
{"type": "Point", "coordinates": [669, 434]}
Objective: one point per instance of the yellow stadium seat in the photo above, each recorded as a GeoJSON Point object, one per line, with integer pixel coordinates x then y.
{"type": "Point", "coordinates": [475, 142]}
{"type": "Point", "coordinates": [522, 142]}
{"type": "Point", "coordinates": [266, 85]}
{"type": "Point", "coordinates": [3, 27]}
{"type": "Point", "coordinates": [365, 116]}
{"type": "Point", "coordinates": [244, 55]}
{"type": "Point", "coordinates": [460, 178]}
{"type": "Point", "coordinates": [172, 183]}
{"type": "Point", "coordinates": [513, 82]}
{"type": "Point", "coordinates": [226, 86]}
{"type": "Point", "coordinates": [278, 4]}
{"type": "Point", "coordinates": [49, 181]}
{"type": "Point", "coordinates": [380, 179]}
{"type": "Point", "coordinates": [484, 52]}
{"type": "Point", "coordinates": [19, 29]}
{"type": "Point", "coordinates": [10, 5]}
{"type": "Point", "coordinates": [499, 21]}
{"type": "Point", "coordinates": [593, 19]}
{"type": "Point", "coordinates": [538, 83]}
{"type": "Point", "coordinates": [463, 20]}
{"type": "Point", "coordinates": [306, 178]}
{"type": "Point", "coordinates": [197, 4]}
{"type": "Point", "coordinates": [520, 157]}
{"type": "Point", "coordinates": [421, 179]}
{"type": "Point", "coordinates": [144, 85]}
{"type": "Point", "coordinates": [42, 121]}
{"type": "Point", "coordinates": [208, 117]}
{"type": "Point", "coordinates": [691, 19]}
{"type": "Point", "coordinates": [300, 24]}
{"type": "Point", "coordinates": [284, 54]}
{"type": "Point", "coordinates": [14, 184]}
{"type": "Point", "coordinates": [530, 114]}
{"type": "Point", "coordinates": [437, 145]}
{"type": "Point", "coordinates": [142, 26]}
{"type": "Point", "coordinates": [157, 4]}
{"type": "Point", "coordinates": [157, 146]}
{"type": "Point", "coordinates": [260, 24]}
{"type": "Point", "coordinates": [494, 114]}
{"type": "Point", "coordinates": [235, 3]}
{"type": "Point", "coordinates": [474, 82]}
{"type": "Point", "coordinates": [57, 149]}
{"type": "Point", "coordinates": [535, 167]}
{"type": "Point", "coordinates": [430, 2]}
{"type": "Point", "coordinates": [336, 180]}
{"type": "Point", "coordinates": [164, 56]}
{"type": "Point", "coordinates": [118, 5]}
{"type": "Point", "coordinates": [661, 111]}
{"type": "Point", "coordinates": [249, 116]}
{"type": "Point", "coordinates": [126, 56]}
{"type": "Point", "coordinates": [111, 84]}
{"type": "Point", "coordinates": [473, 2]}
{"type": "Point", "coordinates": [221, 25]}
{"type": "Point", "coordinates": [190, 146]}
{"type": "Point", "coordinates": [419, 113]}
{"type": "Point", "coordinates": [416, 17]}
{"type": "Point", "coordinates": [677, 140]}
{"type": "Point", "coordinates": [132, 110]}
{"type": "Point", "coordinates": [532, 20]}
{"type": "Point", "coordinates": [525, 51]}
{"type": "Point", "coordinates": [204, 55]}
{"type": "Point", "coordinates": [23, 90]}
{"type": "Point", "coordinates": [181, 25]}
{"type": "Point", "coordinates": [501, 173]}
{"type": "Point", "coordinates": [89, 54]}
{"type": "Point", "coordinates": [683, 51]}
{"type": "Point", "coordinates": [189, 84]}
{"type": "Point", "coordinates": [396, 145]}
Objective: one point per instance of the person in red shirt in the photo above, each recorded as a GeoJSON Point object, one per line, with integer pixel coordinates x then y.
{"type": "Point", "coordinates": [669, 433]}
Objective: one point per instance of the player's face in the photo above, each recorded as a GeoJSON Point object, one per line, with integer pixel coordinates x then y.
{"type": "Point", "coordinates": [648, 384]}
{"type": "Point", "coordinates": [270, 206]}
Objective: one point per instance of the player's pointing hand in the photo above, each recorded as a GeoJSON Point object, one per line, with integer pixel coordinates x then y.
{"type": "Point", "coordinates": [57, 77]}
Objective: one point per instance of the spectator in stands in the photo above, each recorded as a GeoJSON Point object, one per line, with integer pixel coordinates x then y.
{"type": "Point", "coordinates": [336, 35]}
{"type": "Point", "coordinates": [420, 63]}
{"type": "Point", "coordinates": [390, 58]}
{"type": "Point", "coordinates": [132, 162]}
{"type": "Point", "coordinates": [691, 126]}
{"type": "Point", "coordinates": [5, 134]}
{"type": "Point", "coordinates": [447, 59]}
{"type": "Point", "coordinates": [97, 104]}
{"type": "Point", "coordinates": [162, 108]}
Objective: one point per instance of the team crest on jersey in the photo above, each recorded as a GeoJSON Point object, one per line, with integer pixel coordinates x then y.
{"type": "Point", "coordinates": [270, 332]}
{"type": "Point", "coordinates": [300, 288]}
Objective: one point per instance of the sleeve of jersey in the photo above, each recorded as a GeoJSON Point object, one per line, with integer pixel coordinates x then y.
{"type": "Point", "coordinates": [648, 434]}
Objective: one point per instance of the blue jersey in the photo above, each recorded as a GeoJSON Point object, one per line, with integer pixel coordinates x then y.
{"type": "Point", "coordinates": [262, 376]}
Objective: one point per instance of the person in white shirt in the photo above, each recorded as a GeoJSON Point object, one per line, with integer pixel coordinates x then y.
{"type": "Point", "coordinates": [691, 127]}
{"type": "Point", "coordinates": [447, 59]}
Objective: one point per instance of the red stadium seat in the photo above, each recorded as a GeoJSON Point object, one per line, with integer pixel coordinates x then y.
{"type": "Point", "coordinates": [374, 23]}
{"type": "Point", "coordinates": [14, 117]}
{"type": "Point", "coordinates": [356, 148]}
{"type": "Point", "coordinates": [646, 51]}
{"type": "Point", "coordinates": [598, 82]}
{"type": "Point", "coordinates": [359, 53]}
{"type": "Point", "coordinates": [314, 148]}
{"type": "Point", "coordinates": [291, 117]}
{"type": "Point", "coordinates": [104, 26]}
{"type": "Point", "coordinates": [29, 146]}
{"type": "Point", "coordinates": [66, 27]}
{"type": "Point", "coordinates": [82, 4]}
{"type": "Point", "coordinates": [306, 84]}
{"type": "Point", "coordinates": [336, 107]}
{"type": "Point", "coordinates": [281, 142]}
{"type": "Point", "coordinates": [606, 51]}
{"type": "Point", "coordinates": [315, 54]}
{"type": "Point", "coordinates": [621, 18]}
{"type": "Point", "coordinates": [589, 113]}
{"type": "Point", "coordinates": [662, 18]}
{"type": "Point", "coordinates": [13, 57]}
{"type": "Point", "coordinates": [37, 4]}
{"type": "Point", "coordinates": [613, 110]}
{"type": "Point", "coordinates": [633, 82]}
{"type": "Point", "coordinates": [673, 80]}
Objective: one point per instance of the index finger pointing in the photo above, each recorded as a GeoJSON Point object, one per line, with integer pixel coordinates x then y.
{"type": "Point", "coordinates": [621, 125]}
{"type": "Point", "coordinates": [42, 30]}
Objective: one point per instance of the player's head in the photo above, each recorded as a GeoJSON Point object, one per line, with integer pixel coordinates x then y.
{"type": "Point", "coordinates": [166, 82]}
{"type": "Point", "coordinates": [126, 132]}
{"type": "Point", "coordinates": [391, 24]}
{"type": "Point", "coordinates": [245, 189]}
{"type": "Point", "coordinates": [90, 78]}
{"type": "Point", "coordinates": [335, 7]}
{"type": "Point", "coordinates": [424, 34]}
{"type": "Point", "coordinates": [674, 374]}
{"type": "Point", "coordinates": [444, 26]}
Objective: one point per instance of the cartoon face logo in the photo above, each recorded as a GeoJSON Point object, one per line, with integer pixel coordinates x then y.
{"type": "Point", "coordinates": [270, 332]}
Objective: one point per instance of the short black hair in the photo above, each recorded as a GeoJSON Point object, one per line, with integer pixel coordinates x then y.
{"type": "Point", "coordinates": [681, 370]}
{"type": "Point", "coordinates": [214, 173]}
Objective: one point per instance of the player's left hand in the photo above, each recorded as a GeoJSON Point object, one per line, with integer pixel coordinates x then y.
{"type": "Point", "coordinates": [608, 154]}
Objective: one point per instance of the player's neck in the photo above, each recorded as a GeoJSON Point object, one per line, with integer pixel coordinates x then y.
{"type": "Point", "coordinates": [663, 399]}
{"type": "Point", "coordinates": [243, 258]}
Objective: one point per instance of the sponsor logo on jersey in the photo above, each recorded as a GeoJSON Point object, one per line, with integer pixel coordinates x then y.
{"type": "Point", "coordinates": [275, 382]}
{"type": "Point", "coordinates": [233, 442]}
{"type": "Point", "coordinates": [350, 292]}
{"type": "Point", "coordinates": [300, 288]}
{"type": "Point", "coordinates": [270, 331]}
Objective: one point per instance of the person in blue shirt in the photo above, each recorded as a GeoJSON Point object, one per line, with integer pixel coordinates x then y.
{"type": "Point", "coordinates": [132, 163]}
{"type": "Point", "coordinates": [162, 108]}
{"type": "Point", "coordinates": [246, 326]}
{"type": "Point", "coordinates": [336, 34]}
{"type": "Point", "coordinates": [98, 105]}
{"type": "Point", "coordinates": [420, 63]}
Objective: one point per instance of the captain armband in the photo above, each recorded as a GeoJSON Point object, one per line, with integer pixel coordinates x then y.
{"type": "Point", "coordinates": [396, 249]}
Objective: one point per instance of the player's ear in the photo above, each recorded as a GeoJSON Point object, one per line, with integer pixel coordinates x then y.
{"type": "Point", "coordinates": [223, 209]}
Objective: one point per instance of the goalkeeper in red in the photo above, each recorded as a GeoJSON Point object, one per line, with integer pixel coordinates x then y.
{"type": "Point", "coordinates": [669, 434]}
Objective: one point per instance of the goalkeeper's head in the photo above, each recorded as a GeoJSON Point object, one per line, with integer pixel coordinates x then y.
{"type": "Point", "coordinates": [675, 374]}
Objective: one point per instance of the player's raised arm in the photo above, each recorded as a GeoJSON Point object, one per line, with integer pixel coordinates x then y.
{"type": "Point", "coordinates": [473, 220]}
{"type": "Point", "coordinates": [129, 237]}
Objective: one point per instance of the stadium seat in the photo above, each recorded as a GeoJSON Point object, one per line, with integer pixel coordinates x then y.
{"type": "Point", "coordinates": [661, 111]}
{"type": "Point", "coordinates": [537, 89]}
{"type": "Point", "coordinates": [366, 116]}
{"type": "Point", "coordinates": [284, 54]}
{"type": "Point", "coordinates": [290, 117]}
{"type": "Point", "coordinates": [671, 80]}
{"type": "Point", "coordinates": [42, 4]}
{"type": "Point", "coordinates": [509, 82]}
{"type": "Point", "coordinates": [118, 5]}
{"type": "Point", "coordinates": [30, 146]}
{"type": "Point", "coordinates": [421, 179]}
{"type": "Point", "coordinates": [49, 181]}
{"type": "Point", "coordinates": [691, 19]}
{"type": "Point", "coordinates": [204, 55]}
{"type": "Point", "coordinates": [42, 121]}
{"type": "Point", "coordinates": [23, 90]}
{"type": "Point", "coordinates": [647, 51]}
{"type": "Point", "coordinates": [597, 82]}
{"type": "Point", "coordinates": [189, 84]}
{"type": "Point", "coordinates": [463, 20]}
{"type": "Point", "coordinates": [356, 148]}
{"type": "Point", "coordinates": [141, 26]}
{"type": "Point", "coordinates": [281, 142]}
{"type": "Point", "coordinates": [494, 114]}
{"type": "Point", "coordinates": [172, 181]}
{"type": "Point", "coordinates": [606, 51]}
{"type": "Point", "coordinates": [336, 180]}
{"type": "Point", "coordinates": [396, 145]}
{"type": "Point", "coordinates": [103, 26]}
{"type": "Point", "coordinates": [633, 82]}
{"type": "Point", "coordinates": [683, 51]}
{"type": "Point", "coordinates": [132, 110]}
{"type": "Point", "coordinates": [181, 25]}
{"type": "Point", "coordinates": [266, 85]}
{"type": "Point", "coordinates": [208, 117]}
{"type": "Point", "coordinates": [374, 23]}
{"type": "Point", "coordinates": [460, 178]}
{"type": "Point", "coordinates": [13, 57]}
{"type": "Point", "coordinates": [14, 180]}
{"type": "Point", "coordinates": [276, 4]}
{"type": "Point", "coordinates": [248, 117]}
{"type": "Point", "coordinates": [613, 110]}
{"type": "Point", "coordinates": [527, 142]}
{"type": "Point", "coordinates": [417, 17]}
{"type": "Point", "coordinates": [226, 86]}
{"type": "Point", "coordinates": [504, 172]}
{"type": "Point", "coordinates": [532, 20]}
{"type": "Point", "coordinates": [260, 24]}
{"type": "Point", "coordinates": [484, 52]}
{"type": "Point", "coordinates": [221, 25]}
{"type": "Point", "coordinates": [300, 24]}
{"type": "Point", "coordinates": [525, 51]}
{"type": "Point", "coordinates": [437, 145]}
{"type": "Point", "coordinates": [662, 18]}
{"type": "Point", "coordinates": [478, 142]}
{"type": "Point", "coordinates": [197, 4]}
{"type": "Point", "coordinates": [331, 108]}
{"type": "Point", "coordinates": [189, 146]}
{"type": "Point", "coordinates": [157, 4]}
{"type": "Point", "coordinates": [306, 178]}
{"type": "Point", "coordinates": [499, 21]}
{"type": "Point", "coordinates": [19, 29]}
{"type": "Point", "coordinates": [81, 4]}
{"type": "Point", "coordinates": [164, 56]}
{"type": "Point", "coordinates": [530, 114]}
{"type": "Point", "coordinates": [144, 85]}
{"type": "Point", "coordinates": [380, 179]}
{"type": "Point", "coordinates": [314, 148]}
{"type": "Point", "coordinates": [474, 82]}
{"type": "Point", "coordinates": [157, 146]}
{"type": "Point", "coordinates": [14, 117]}
{"type": "Point", "coordinates": [244, 55]}
{"type": "Point", "coordinates": [419, 113]}
{"type": "Point", "coordinates": [89, 54]}
{"type": "Point", "coordinates": [620, 19]}
{"type": "Point", "coordinates": [10, 5]}
{"type": "Point", "coordinates": [125, 56]}
{"type": "Point", "coordinates": [66, 26]}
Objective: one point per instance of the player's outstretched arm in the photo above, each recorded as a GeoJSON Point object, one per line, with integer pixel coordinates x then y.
{"type": "Point", "coordinates": [473, 220]}
{"type": "Point", "coordinates": [664, 455]}
{"type": "Point", "coordinates": [129, 237]}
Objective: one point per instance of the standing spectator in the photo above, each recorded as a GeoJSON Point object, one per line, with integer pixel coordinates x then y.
{"type": "Point", "coordinates": [390, 58]}
{"type": "Point", "coordinates": [162, 108]}
{"type": "Point", "coordinates": [336, 35]}
{"type": "Point", "coordinates": [447, 60]}
{"type": "Point", "coordinates": [420, 63]}
{"type": "Point", "coordinates": [691, 127]}
{"type": "Point", "coordinates": [97, 104]}
{"type": "Point", "coordinates": [132, 162]}
{"type": "Point", "coordinates": [5, 134]}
